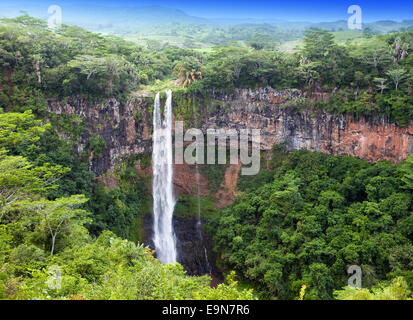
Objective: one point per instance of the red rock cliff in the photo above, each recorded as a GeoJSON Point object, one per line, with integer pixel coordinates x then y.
{"type": "Point", "coordinates": [371, 139]}
{"type": "Point", "coordinates": [127, 128]}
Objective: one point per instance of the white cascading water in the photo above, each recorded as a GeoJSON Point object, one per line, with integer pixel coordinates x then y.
{"type": "Point", "coordinates": [163, 197]}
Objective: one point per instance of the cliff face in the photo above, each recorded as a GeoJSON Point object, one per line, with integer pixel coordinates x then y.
{"type": "Point", "coordinates": [366, 138]}
{"type": "Point", "coordinates": [127, 128]}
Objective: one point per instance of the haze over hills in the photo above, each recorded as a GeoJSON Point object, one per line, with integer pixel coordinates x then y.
{"type": "Point", "coordinates": [99, 15]}
{"type": "Point", "coordinates": [176, 27]}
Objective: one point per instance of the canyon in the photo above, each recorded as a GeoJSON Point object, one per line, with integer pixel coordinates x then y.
{"type": "Point", "coordinates": [127, 131]}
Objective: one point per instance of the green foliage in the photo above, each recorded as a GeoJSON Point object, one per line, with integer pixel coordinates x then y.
{"type": "Point", "coordinates": [318, 215]}
{"type": "Point", "coordinates": [96, 145]}
{"type": "Point", "coordinates": [19, 129]}
{"type": "Point", "coordinates": [229, 291]}
{"type": "Point", "coordinates": [407, 170]}
{"type": "Point", "coordinates": [215, 175]}
{"type": "Point", "coordinates": [74, 62]}
{"type": "Point", "coordinates": [59, 216]}
{"type": "Point", "coordinates": [57, 152]}
{"type": "Point", "coordinates": [187, 206]}
{"type": "Point", "coordinates": [396, 290]}
{"type": "Point", "coordinates": [47, 253]}
{"type": "Point", "coordinates": [115, 209]}
{"type": "Point", "coordinates": [109, 268]}
{"type": "Point", "coordinates": [72, 125]}
{"type": "Point", "coordinates": [346, 74]}
{"type": "Point", "coordinates": [19, 179]}
{"type": "Point", "coordinates": [188, 70]}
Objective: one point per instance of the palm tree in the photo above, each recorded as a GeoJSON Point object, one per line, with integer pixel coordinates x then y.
{"type": "Point", "coordinates": [188, 71]}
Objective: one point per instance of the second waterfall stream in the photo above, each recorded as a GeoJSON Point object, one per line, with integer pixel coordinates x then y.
{"type": "Point", "coordinates": [163, 197]}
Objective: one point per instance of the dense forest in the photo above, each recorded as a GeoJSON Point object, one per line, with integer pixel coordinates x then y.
{"type": "Point", "coordinates": [293, 229]}
{"type": "Point", "coordinates": [311, 215]}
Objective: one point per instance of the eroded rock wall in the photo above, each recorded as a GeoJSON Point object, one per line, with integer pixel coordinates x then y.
{"type": "Point", "coordinates": [127, 128]}
{"type": "Point", "coordinates": [371, 139]}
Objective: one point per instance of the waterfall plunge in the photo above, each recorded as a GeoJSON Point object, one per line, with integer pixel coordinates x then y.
{"type": "Point", "coordinates": [163, 197]}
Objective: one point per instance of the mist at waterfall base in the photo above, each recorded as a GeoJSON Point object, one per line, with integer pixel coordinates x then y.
{"type": "Point", "coordinates": [163, 197]}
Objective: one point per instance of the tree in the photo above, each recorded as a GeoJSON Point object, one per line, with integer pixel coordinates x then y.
{"type": "Point", "coordinates": [319, 281]}
{"type": "Point", "coordinates": [407, 170]}
{"type": "Point", "coordinates": [307, 71]}
{"type": "Point", "coordinates": [374, 54]}
{"type": "Point", "coordinates": [88, 65]}
{"type": "Point", "coordinates": [188, 71]}
{"type": "Point", "coordinates": [19, 179]}
{"type": "Point", "coordinates": [397, 75]}
{"type": "Point", "coordinates": [368, 33]}
{"type": "Point", "coordinates": [381, 84]}
{"type": "Point", "coordinates": [59, 215]}
{"type": "Point", "coordinates": [399, 50]}
{"type": "Point", "coordinates": [317, 43]}
{"type": "Point", "coordinates": [318, 215]}
{"type": "Point", "coordinates": [20, 129]}
{"type": "Point", "coordinates": [329, 60]}
{"type": "Point", "coordinates": [229, 291]}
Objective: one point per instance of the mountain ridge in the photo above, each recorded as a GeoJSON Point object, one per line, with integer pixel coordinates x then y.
{"type": "Point", "coordinates": [155, 14]}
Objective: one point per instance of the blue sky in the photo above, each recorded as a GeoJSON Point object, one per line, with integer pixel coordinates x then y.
{"type": "Point", "coordinates": [293, 10]}
{"type": "Point", "coordinates": [315, 10]}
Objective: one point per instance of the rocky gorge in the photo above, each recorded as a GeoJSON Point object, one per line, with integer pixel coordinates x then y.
{"type": "Point", "coordinates": [126, 129]}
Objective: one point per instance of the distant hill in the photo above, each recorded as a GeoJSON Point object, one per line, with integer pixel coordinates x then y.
{"type": "Point", "coordinates": [99, 15]}
{"type": "Point", "coordinates": [139, 15]}
{"type": "Point", "coordinates": [103, 15]}
{"type": "Point", "coordinates": [176, 27]}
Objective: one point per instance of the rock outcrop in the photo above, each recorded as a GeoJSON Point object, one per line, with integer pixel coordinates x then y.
{"type": "Point", "coordinates": [127, 128]}
{"type": "Point", "coordinates": [368, 138]}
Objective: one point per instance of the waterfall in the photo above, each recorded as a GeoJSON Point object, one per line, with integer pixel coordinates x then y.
{"type": "Point", "coordinates": [163, 197]}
